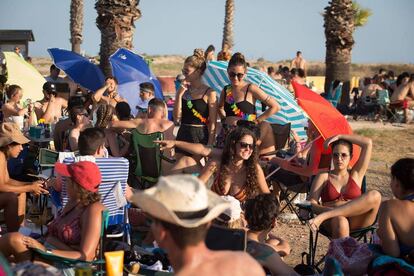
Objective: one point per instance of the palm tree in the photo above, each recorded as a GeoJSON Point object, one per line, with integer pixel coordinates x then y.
{"type": "Point", "coordinates": [227, 43]}
{"type": "Point", "coordinates": [116, 22]}
{"type": "Point", "coordinates": [341, 18]}
{"type": "Point", "coordinates": [76, 24]}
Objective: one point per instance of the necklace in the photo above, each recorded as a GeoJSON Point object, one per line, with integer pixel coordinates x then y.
{"type": "Point", "coordinates": [196, 114]}
{"type": "Point", "coordinates": [236, 110]}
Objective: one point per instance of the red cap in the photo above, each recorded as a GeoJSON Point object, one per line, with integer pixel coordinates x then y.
{"type": "Point", "coordinates": [85, 173]}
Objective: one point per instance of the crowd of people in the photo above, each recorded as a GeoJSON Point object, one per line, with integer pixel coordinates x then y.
{"type": "Point", "coordinates": [219, 176]}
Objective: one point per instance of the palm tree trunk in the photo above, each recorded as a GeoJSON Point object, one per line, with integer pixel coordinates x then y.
{"type": "Point", "coordinates": [76, 24]}
{"type": "Point", "coordinates": [228, 26]}
{"type": "Point", "coordinates": [116, 22]}
{"type": "Point", "coordinates": [339, 28]}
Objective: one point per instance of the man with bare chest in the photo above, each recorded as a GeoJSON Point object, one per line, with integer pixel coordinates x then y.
{"type": "Point", "coordinates": [51, 106]}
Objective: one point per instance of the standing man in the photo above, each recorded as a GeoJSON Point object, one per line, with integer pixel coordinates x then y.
{"type": "Point", "coordinates": [146, 93]}
{"type": "Point", "coordinates": [54, 75]}
{"type": "Point", "coordinates": [181, 209]}
{"type": "Point", "coordinates": [108, 93]}
{"type": "Point", "coordinates": [17, 51]}
{"type": "Point", "coordinates": [299, 62]}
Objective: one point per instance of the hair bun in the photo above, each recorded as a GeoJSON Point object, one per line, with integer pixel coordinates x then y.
{"type": "Point", "coordinates": [239, 56]}
{"type": "Point", "coordinates": [199, 53]}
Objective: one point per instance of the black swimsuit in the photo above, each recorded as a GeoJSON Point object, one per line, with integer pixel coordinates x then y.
{"type": "Point", "coordinates": [194, 122]}
{"type": "Point", "coordinates": [246, 108]}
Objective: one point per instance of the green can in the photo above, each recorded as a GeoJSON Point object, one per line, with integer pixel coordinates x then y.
{"type": "Point", "coordinates": [83, 270]}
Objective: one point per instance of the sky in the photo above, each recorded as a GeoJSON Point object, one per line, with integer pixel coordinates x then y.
{"type": "Point", "coordinates": [272, 29]}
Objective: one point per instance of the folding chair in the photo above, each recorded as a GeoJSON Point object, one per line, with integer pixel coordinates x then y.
{"type": "Point", "coordinates": [112, 189]}
{"type": "Point", "coordinates": [358, 234]}
{"type": "Point", "coordinates": [69, 263]}
{"type": "Point", "coordinates": [281, 134]}
{"type": "Point", "coordinates": [383, 100]}
{"type": "Point", "coordinates": [148, 158]}
{"type": "Point", "coordinates": [222, 238]}
{"type": "Point", "coordinates": [335, 97]}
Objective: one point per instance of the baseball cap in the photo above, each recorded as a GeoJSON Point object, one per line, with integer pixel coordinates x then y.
{"type": "Point", "coordinates": [49, 87]}
{"type": "Point", "coordinates": [85, 173]}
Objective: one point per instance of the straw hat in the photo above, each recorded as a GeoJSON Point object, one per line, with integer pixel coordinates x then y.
{"type": "Point", "coordinates": [181, 200]}
{"type": "Point", "coordinates": [9, 133]}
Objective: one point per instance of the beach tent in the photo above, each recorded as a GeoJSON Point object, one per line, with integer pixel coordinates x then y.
{"type": "Point", "coordinates": [25, 75]}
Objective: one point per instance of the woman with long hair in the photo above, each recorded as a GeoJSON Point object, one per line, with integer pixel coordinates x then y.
{"type": "Point", "coordinates": [195, 103]}
{"type": "Point", "coordinates": [336, 196]}
{"type": "Point", "coordinates": [13, 192]}
{"type": "Point", "coordinates": [115, 142]}
{"type": "Point", "coordinates": [75, 232]}
{"type": "Point", "coordinates": [235, 167]}
{"type": "Point", "coordinates": [13, 111]}
{"type": "Point", "coordinates": [238, 102]}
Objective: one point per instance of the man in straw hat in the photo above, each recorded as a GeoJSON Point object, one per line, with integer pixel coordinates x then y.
{"type": "Point", "coordinates": [13, 192]}
{"type": "Point", "coordinates": [181, 209]}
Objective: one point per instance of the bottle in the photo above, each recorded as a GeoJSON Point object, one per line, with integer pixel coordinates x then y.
{"type": "Point", "coordinates": [47, 131]}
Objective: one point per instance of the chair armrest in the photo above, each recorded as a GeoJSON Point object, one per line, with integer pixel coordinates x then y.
{"type": "Point", "coordinates": [305, 207]}
{"type": "Point", "coordinates": [168, 159]}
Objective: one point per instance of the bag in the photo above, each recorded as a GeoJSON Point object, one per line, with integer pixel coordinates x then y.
{"type": "Point", "coordinates": [352, 256]}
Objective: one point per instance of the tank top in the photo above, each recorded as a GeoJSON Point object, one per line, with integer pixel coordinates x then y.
{"type": "Point", "coordinates": [243, 109]}
{"type": "Point", "coordinates": [329, 192]}
{"type": "Point", "coordinates": [194, 112]}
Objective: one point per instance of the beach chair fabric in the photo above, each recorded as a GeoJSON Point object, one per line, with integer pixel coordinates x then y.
{"type": "Point", "coordinates": [114, 172]}
{"type": "Point", "coordinates": [148, 157]}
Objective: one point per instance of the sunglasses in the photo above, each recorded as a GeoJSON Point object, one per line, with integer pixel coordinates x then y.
{"type": "Point", "coordinates": [336, 155]}
{"type": "Point", "coordinates": [245, 145]}
{"type": "Point", "coordinates": [232, 75]}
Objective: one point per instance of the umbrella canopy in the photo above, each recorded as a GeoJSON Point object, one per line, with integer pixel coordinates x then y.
{"type": "Point", "coordinates": [25, 75]}
{"type": "Point", "coordinates": [130, 70]}
{"type": "Point", "coordinates": [216, 77]}
{"type": "Point", "coordinates": [326, 118]}
{"type": "Point", "coordinates": [78, 68]}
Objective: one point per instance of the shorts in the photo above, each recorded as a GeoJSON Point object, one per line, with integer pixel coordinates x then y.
{"type": "Point", "coordinates": [192, 134]}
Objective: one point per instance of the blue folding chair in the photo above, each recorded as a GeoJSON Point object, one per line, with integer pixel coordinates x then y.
{"type": "Point", "coordinates": [114, 173]}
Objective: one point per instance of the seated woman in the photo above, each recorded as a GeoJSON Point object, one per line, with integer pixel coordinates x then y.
{"type": "Point", "coordinates": [80, 119]}
{"type": "Point", "coordinates": [75, 232]}
{"type": "Point", "coordinates": [13, 192]}
{"type": "Point", "coordinates": [261, 213]}
{"type": "Point", "coordinates": [238, 102]}
{"type": "Point", "coordinates": [395, 220]}
{"type": "Point", "coordinates": [336, 196]}
{"type": "Point", "coordinates": [12, 110]}
{"type": "Point", "coordinates": [236, 168]}
{"type": "Point", "coordinates": [115, 142]}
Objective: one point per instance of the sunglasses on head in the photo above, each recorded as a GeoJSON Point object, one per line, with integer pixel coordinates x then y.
{"type": "Point", "coordinates": [336, 155]}
{"type": "Point", "coordinates": [232, 75]}
{"type": "Point", "coordinates": [245, 145]}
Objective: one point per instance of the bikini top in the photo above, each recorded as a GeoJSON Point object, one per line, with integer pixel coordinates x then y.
{"type": "Point", "coordinates": [218, 189]}
{"type": "Point", "coordinates": [243, 109]}
{"type": "Point", "coordinates": [329, 192]}
{"type": "Point", "coordinates": [66, 227]}
{"type": "Point", "coordinates": [195, 112]}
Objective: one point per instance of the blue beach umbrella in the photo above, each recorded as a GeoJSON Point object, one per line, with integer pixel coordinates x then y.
{"type": "Point", "coordinates": [78, 68]}
{"type": "Point", "coordinates": [216, 77]}
{"type": "Point", "coordinates": [130, 70]}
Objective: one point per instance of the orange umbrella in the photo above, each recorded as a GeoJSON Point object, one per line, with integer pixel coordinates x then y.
{"type": "Point", "coordinates": [326, 118]}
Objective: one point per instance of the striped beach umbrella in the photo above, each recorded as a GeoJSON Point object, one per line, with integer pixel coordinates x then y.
{"type": "Point", "coordinates": [216, 77]}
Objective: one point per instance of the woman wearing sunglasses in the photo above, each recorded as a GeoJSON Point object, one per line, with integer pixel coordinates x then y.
{"type": "Point", "coordinates": [336, 196]}
{"type": "Point", "coordinates": [235, 167]}
{"type": "Point", "coordinates": [238, 102]}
